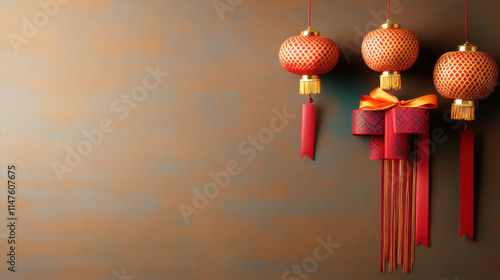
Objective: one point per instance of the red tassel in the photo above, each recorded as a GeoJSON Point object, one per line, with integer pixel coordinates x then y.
{"type": "Point", "coordinates": [467, 183]}
{"type": "Point", "coordinates": [308, 130]}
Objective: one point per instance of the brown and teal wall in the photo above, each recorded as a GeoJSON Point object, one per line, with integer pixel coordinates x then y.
{"type": "Point", "coordinates": [117, 114]}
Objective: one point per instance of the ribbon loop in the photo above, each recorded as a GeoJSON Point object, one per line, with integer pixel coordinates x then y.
{"type": "Point", "coordinates": [380, 99]}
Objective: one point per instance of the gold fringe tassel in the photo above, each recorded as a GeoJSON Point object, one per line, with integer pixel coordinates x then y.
{"type": "Point", "coordinates": [390, 80]}
{"type": "Point", "coordinates": [310, 85]}
{"type": "Point", "coordinates": [461, 111]}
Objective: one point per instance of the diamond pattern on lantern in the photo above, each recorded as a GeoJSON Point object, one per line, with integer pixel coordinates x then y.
{"type": "Point", "coordinates": [390, 49]}
{"type": "Point", "coordinates": [309, 55]}
{"type": "Point", "coordinates": [465, 75]}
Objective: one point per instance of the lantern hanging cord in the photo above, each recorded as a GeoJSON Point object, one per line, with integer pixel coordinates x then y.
{"type": "Point", "coordinates": [309, 14]}
{"type": "Point", "coordinates": [310, 100]}
{"type": "Point", "coordinates": [388, 11]}
{"type": "Point", "coordinates": [466, 124]}
{"type": "Point", "coordinates": [466, 23]}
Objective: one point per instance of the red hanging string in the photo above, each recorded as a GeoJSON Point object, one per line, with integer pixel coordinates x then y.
{"type": "Point", "coordinates": [388, 5]}
{"type": "Point", "coordinates": [309, 14]}
{"type": "Point", "coordinates": [466, 23]}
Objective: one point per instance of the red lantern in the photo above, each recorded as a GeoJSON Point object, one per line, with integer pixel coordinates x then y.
{"type": "Point", "coordinates": [309, 55]}
{"type": "Point", "coordinates": [465, 75]}
{"type": "Point", "coordinates": [389, 50]}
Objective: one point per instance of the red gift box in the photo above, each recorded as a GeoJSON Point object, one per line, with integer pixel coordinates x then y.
{"type": "Point", "coordinates": [365, 122]}
{"type": "Point", "coordinates": [411, 120]}
{"type": "Point", "coordinates": [394, 124]}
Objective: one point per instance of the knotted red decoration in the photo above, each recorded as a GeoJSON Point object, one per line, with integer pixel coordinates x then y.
{"type": "Point", "coordinates": [404, 174]}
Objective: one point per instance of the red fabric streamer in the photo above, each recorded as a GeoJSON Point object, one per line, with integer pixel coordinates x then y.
{"type": "Point", "coordinates": [396, 144]}
{"type": "Point", "coordinates": [422, 200]}
{"type": "Point", "coordinates": [467, 184]}
{"type": "Point", "coordinates": [308, 130]}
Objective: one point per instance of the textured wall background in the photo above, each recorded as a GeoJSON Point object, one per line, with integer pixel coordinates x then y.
{"type": "Point", "coordinates": [117, 206]}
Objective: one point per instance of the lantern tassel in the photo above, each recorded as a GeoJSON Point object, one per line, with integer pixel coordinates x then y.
{"type": "Point", "coordinates": [390, 80]}
{"type": "Point", "coordinates": [463, 110]}
{"type": "Point", "coordinates": [310, 84]}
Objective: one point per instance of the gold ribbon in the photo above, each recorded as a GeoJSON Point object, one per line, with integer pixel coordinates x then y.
{"type": "Point", "coordinates": [380, 99]}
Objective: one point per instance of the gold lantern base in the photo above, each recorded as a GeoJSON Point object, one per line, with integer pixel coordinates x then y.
{"type": "Point", "coordinates": [310, 84]}
{"type": "Point", "coordinates": [463, 110]}
{"type": "Point", "coordinates": [390, 80]}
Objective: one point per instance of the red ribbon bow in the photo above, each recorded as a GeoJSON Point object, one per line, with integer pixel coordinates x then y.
{"type": "Point", "coordinates": [380, 99]}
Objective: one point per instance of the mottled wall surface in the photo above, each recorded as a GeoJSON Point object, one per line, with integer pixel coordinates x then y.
{"type": "Point", "coordinates": [170, 91]}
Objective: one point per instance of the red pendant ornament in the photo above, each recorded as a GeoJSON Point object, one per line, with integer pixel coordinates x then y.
{"type": "Point", "coordinates": [389, 50]}
{"type": "Point", "coordinates": [465, 75]}
{"type": "Point", "coordinates": [309, 55]}
{"type": "Point", "coordinates": [404, 179]}
{"type": "Point", "coordinates": [404, 169]}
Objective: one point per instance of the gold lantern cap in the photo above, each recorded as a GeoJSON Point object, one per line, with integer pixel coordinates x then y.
{"type": "Point", "coordinates": [309, 32]}
{"type": "Point", "coordinates": [467, 47]}
{"type": "Point", "coordinates": [390, 24]}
